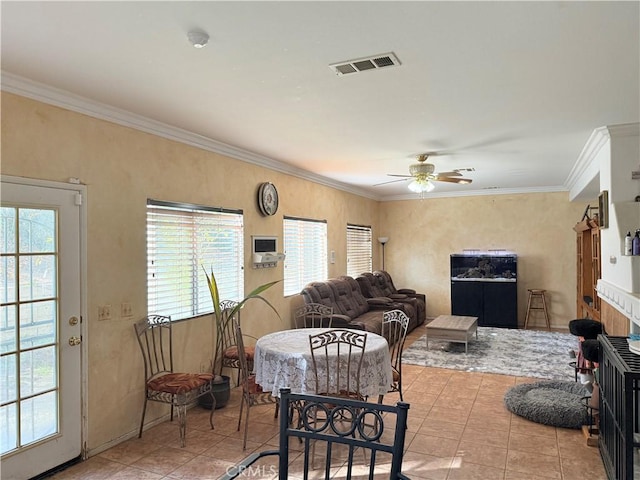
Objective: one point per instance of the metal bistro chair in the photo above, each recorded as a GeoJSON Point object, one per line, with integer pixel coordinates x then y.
{"type": "Point", "coordinates": [395, 324]}
{"type": "Point", "coordinates": [337, 360]}
{"type": "Point", "coordinates": [337, 357]}
{"type": "Point", "coordinates": [314, 315]}
{"type": "Point", "coordinates": [162, 384]}
{"type": "Point", "coordinates": [252, 393]}
{"type": "Point", "coordinates": [228, 356]}
{"type": "Point", "coordinates": [379, 430]}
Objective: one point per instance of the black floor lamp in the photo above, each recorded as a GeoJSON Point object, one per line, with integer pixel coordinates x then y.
{"type": "Point", "coordinates": [382, 241]}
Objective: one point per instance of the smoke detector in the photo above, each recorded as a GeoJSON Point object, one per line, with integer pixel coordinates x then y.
{"type": "Point", "coordinates": [358, 65]}
{"type": "Point", "coordinates": [198, 38]}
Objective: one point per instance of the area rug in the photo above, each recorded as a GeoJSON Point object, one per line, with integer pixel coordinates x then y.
{"type": "Point", "coordinates": [524, 353]}
{"type": "Point", "coordinates": [557, 403]}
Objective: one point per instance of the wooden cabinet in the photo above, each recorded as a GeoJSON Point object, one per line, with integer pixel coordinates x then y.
{"type": "Point", "coordinates": [587, 268]}
{"type": "Point", "coordinates": [484, 285]}
{"type": "Point", "coordinates": [494, 303]}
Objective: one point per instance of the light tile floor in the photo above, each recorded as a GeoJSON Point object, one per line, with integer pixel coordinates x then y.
{"type": "Point", "coordinates": [458, 430]}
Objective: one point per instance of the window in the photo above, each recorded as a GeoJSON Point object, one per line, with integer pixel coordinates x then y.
{"type": "Point", "coordinates": [358, 249]}
{"type": "Point", "coordinates": [182, 240]}
{"type": "Point", "coordinates": [305, 244]}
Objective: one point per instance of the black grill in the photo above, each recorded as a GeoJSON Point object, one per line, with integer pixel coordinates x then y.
{"type": "Point", "coordinates": [619, 381]}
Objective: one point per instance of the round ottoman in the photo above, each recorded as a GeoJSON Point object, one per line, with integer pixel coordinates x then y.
{"type": "Point", "coordinates": [555, 403]}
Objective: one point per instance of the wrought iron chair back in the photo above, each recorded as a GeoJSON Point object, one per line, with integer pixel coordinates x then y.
{"type": "Point", "coordinates": [378, 430]}
{"type": "Point", "coordinates": [395, 324]}
{"type": "Point", "coordinates": [337, 360]}
{"type": "Point", "coordinates": [162, 384]}
{"type": "Point", "coordinates": [252, 393]}
{"type": "Point", "coordinates": [227, 345]}
{"type": "Point", "coordinates": [314, 315]}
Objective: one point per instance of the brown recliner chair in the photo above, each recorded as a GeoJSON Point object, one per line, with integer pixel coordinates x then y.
{"type": "Point", "coordinates": [386, 284]}
{"type": "Point", "coordinates": [372, 287]}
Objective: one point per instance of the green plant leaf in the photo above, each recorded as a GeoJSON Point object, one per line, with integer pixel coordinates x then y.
{"type": "Point", "coordinates": [222, 320]}
{"type": "Point", "coordinates": [215, 295]}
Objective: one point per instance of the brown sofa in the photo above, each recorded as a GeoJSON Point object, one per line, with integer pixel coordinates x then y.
{"type": "Point", "coordinates": [351, 308]}
{"type": "Point", "coordinates": [374, 286]}
{"type": "Point", "coordinates": [380, 284]}
{"type": "Point", "coordinates": [406, 291]}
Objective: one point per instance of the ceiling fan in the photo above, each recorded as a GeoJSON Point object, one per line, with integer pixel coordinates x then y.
{"type": "Point", "coordinates": [424, 174]}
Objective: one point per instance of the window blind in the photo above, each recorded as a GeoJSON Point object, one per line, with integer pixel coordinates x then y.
{"type": "Point", "coordinates": [305, 246]}
{"type": "Point", "coordinates": [183, 240]}
{"type": "Point", "coordinates": [358, 250]}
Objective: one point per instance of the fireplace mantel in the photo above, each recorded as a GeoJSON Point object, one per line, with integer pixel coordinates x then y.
{"type": "Point", "coordinates": [628, 304]}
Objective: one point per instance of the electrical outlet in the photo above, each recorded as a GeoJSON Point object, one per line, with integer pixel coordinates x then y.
{"type": "Point", "coordinates": [126, 310]}
{"type": "Point", "coordinates": [104, 312]}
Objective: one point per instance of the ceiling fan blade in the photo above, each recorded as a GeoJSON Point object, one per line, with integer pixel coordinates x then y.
{"type": "Point", "coordinates": [453, 180]}
{"type": "Point", "coordinates": [392, 181]}
{"type": "Point", "coordinates": [448, 174]}
{"type": "Point", "coordinates": [395, 175]}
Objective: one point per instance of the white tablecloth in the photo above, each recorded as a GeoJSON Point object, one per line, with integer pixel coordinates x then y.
{"type": "Point", "coordinates": [283, 359]}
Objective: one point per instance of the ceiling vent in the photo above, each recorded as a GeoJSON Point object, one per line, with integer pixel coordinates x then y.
{"type": "Point", "coordinates": [368, 63]}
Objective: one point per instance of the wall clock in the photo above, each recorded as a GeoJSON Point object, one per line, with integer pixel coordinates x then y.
{"type": "Point", "coordinates": [268, 198]}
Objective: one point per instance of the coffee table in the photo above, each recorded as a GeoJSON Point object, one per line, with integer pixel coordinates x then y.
{"type": "Point", "coordinates": [453, 328]}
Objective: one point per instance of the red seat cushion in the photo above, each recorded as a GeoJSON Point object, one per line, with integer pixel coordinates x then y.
{"type": "Point", "coordinates": [178, 383]}
{"type": "Point", "coordinates": [232, 353]}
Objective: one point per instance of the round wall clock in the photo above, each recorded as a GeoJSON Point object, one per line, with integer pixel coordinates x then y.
{"type": "Point", "coordinates": [268, 198]}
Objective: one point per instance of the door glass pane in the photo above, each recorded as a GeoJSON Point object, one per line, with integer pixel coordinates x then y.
{"type": "Point", "coordinates": [37, 230]}
{"type": "Point", "coordinates": [29, 377]}
{"type": "Point", "coordinates": [38, 324]}
{"type": "Point", "coordinates": [8, 329]}
{"type": "Point", "coordinates": [8, 391]}
{"type": "Point", "coordinates": [37, 277]}
{"type": "Point", "coordinates": [8, 428]}
{"type": "Point", "coordinates": [7, 279]}
{"type": "Point", "coordinates": [8, 233]}
{"type": "Point", "coordinates": [38, 417]}
{"type": "Point", "coordinates": [37, 371]}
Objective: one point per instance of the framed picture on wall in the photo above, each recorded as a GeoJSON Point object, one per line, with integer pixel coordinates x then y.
{"type": "Point", "coordinates": [603, 209]}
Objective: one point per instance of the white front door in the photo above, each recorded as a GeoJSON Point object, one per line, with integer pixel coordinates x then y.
{"type": "Point", "coordinates": [40, 328]}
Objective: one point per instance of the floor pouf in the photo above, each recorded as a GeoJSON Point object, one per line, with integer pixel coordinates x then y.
{"type": "Point", "coordinates": [555, 403]}
{"type": "Point", "coordinates": [586, 328]}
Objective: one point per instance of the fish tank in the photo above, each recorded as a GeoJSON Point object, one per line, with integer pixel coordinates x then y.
{"type": "Point", "coordinates": [484, 266]}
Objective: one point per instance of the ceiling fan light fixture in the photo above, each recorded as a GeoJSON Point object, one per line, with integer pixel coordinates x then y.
{"type": "Point", "coordinates": [421, 186]}
{"type": "Point", "coordinates": [421, 169]}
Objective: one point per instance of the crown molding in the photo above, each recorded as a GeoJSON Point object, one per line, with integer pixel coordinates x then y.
{"type": "Point", "coordinates": [586, 163]}
{"type": "Point", "coordinates": [61, 98]}
{"type": "Point", "coordinates": [587, 167]}
{"type": "Point", "coordinates": [477, 193]}
{"type": "Point", "coordinates": [624, 130]}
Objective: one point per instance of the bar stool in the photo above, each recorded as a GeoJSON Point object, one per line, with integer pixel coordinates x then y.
{"type": "Point", "coordinates": [537, 301]}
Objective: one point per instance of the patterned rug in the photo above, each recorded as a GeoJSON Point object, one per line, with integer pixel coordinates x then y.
{"type": "Point", "coordinates": [524, 353]}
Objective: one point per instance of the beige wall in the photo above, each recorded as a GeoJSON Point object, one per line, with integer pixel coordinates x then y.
{"type": "Point", "coordinates": [123, 167]}
{"type": "Point", "coordinates": [538, 227]}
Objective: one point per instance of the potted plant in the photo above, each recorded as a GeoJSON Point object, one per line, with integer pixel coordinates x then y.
{"type": "Point", "coordinates": [222, 318]}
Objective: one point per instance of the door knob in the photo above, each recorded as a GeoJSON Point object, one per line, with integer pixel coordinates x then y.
{"type": "Point", "coordinates": [73, 341]}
